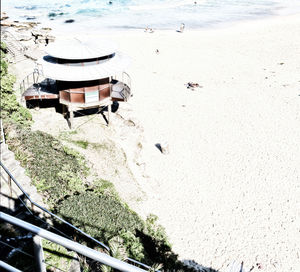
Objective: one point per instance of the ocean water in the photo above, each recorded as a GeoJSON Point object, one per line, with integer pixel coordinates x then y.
{"type": "Point", "coordinates": [138, 14]}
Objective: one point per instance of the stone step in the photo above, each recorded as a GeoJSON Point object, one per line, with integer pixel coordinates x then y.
{"type": "Point", "coordinates": [7, 201]}
{"type": "Point", "coordinates": [5, 154]}
{"type": "Point", "coordinates": [3, 147]}
{"type": "Point", "coordinates": [18, 173]}
{"type": "Point", "coordinates": [11, 164]}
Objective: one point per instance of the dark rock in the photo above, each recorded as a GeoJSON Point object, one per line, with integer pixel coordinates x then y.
{"type": "Point", "coordinates": [32, 24]}
{"type": "Point", "coordinates": [69, 21]}
{"type": "Point", "coordinates": [3, 16]}
{"type": "Point", "coordinates": [30, 18]}
{"type": "Point", "coordinates": [52, 14]}
{"type": "Point", "coordinates": [55, 14]}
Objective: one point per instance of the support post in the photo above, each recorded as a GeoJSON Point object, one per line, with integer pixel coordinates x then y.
{"type": "Point", "coordinates": [39, 254]}
{"type": "Point", "coordinates": [108, 114]}
{"type": "Point", "coordinates": [71, 118]}
{"type": "Point", "coordinates": [64, 110]}
{"type": "Point", "coordinates": [10, 191]}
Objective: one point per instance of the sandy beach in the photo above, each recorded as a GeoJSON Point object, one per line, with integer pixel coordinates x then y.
{"type": "Point", "coordinates": [229, 186]}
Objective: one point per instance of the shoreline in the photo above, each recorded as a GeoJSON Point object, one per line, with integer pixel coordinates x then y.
{"type": "Point", "coordinates": [228, 189]}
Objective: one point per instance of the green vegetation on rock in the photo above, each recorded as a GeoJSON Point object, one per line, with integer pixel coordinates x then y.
{"type": "Point", "coordinates": [10, 108]}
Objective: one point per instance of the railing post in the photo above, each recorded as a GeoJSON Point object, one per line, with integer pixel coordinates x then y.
{"type": "Point", "coordinates": [39, 254]}
{"type": "Point", "coordinates": [10, 190]}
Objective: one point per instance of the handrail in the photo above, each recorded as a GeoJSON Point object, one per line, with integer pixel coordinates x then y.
{"type": "Point", "coordinates": [52, 214]}
{"type": "Point", "coordinates": [8, 267]}
{"type": "Point", "coordinates": [64, 221]}
{"type": "Point", "coordinates": [74, 246]}
{"type": "Point", "coordinates": [14, 39]}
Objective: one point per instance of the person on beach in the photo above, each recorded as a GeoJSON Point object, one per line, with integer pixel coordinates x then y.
{"type": "Point", "coordinates": [46, 41]}
{"type": "Point", "coordinates": [182, 26]}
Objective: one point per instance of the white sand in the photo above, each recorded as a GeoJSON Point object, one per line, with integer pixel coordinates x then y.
{"type": "Point", "coordinates": [229, 188]}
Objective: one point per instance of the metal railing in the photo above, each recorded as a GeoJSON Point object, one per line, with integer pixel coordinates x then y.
{"type": "Point", "coordinates": [28, 81]}
{"type": "Point", "coordinates": [34, 204]}
{"type": "Point", "coordinates": [126, 79]}
{"type": "Point", "coordinates": [9, 37]}
{"type": "Point", "coordinates": [8, 267]}
{"type": "Point", "coordinates": [71, 245]}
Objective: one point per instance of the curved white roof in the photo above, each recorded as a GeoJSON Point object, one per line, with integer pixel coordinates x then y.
{"type": "Point", "coordinates": [79, 49]}
{"type": "Point", "coordinates": [87, 71]}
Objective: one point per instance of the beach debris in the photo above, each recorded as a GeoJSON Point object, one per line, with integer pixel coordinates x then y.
{"type": "Point", "coordinates": [163, 147]}
{"type": "Point", "coordinates": [69, 21]}
{"type": "Point", "coordinates": [259, 265]}
{"type": "Point", "coordinates": [192, 85]}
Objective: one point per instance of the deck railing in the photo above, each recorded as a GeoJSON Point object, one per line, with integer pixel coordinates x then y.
{"type": "Point", "coordinates": [28, 81]}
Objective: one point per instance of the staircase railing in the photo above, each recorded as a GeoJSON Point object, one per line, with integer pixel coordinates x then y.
{"type": "Point", "coordinates": [8, 36]}
{"type": "Point", "coordinates": [8, 267]}
{"type": "Point", "coordinates": [34, 204]}
{"type": "Point", "coordinates": [71, 245]}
